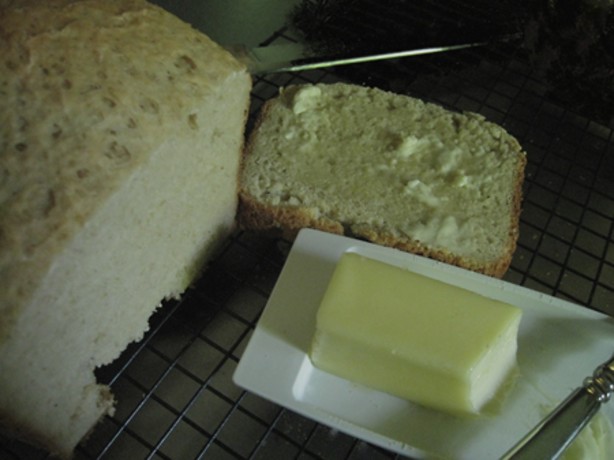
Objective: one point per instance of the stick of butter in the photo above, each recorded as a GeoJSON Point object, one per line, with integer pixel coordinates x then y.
{"type": "Point", "coordinates": [414, 337]}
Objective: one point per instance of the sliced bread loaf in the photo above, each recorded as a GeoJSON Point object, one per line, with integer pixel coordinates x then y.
{"type": "Point", "coordinates": [388, 168]}
{"type": "Point", "coordinates": [121, 131]}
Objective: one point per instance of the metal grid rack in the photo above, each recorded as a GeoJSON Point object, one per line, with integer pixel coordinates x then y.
{"type": "Point", "coordinates": [176, 399]}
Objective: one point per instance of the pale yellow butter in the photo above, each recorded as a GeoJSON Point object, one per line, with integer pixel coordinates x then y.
{"type": "Point", "coordinates": [414, 337]}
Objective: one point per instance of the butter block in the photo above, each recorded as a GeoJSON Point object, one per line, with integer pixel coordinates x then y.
{"type": "Point", "coordinates": [435, 344]}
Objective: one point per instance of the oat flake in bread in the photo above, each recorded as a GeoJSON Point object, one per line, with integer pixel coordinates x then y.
{"type": "Point", "coordinates": [388, 168]}
{"type": "Point", "coordinates": [121, 130]}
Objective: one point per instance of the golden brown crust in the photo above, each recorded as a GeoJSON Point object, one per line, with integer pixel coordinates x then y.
{"type": "Point", "coordinates": [287, 221]}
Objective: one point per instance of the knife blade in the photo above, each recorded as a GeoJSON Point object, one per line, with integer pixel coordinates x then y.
{"type": "Point", "coordinates": [292, 57]}
{"type": "Point", "coordinates": [551, 437]}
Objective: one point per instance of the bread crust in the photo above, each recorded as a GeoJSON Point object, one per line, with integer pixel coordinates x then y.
{"type": "Point", "coordinates": [286, 220]}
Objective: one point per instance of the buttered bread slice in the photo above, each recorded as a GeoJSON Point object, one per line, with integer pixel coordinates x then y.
{"type": "Point", "coordinates": [388, 168]}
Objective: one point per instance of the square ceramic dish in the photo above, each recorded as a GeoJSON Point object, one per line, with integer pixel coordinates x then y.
{"type": "Point", "coordinates": [559, 344]}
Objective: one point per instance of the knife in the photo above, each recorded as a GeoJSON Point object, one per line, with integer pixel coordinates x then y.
{"type": "Point", "coordinates": [549, 438]}
{"type": "Point", "coordinates": [292, 57]}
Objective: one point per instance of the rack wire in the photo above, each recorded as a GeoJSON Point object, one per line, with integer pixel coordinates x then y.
{"type": "Point", "coordinates": [176, 398]}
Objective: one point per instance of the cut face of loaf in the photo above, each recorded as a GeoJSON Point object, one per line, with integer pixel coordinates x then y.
{"type": "Point", "coordinates": [120, 142]}
{"type": "Point", "coordinates": [388, 168]}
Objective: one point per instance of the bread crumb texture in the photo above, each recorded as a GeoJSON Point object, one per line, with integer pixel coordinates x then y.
{"type": "Point", "coordinates": [387, 167]}
{"type": "Point", "coordinates": [121, 130]}
{"type": "Point", "coordinates": [72, 127]}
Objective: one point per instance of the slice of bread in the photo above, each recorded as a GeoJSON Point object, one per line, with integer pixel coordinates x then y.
{"type": "Point", "coordinates": [388, 168]}
{"type": "Point", "coordinates": [121, 131]}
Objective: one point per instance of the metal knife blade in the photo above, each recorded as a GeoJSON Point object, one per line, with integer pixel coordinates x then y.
{"type": "Point", "coordinates": [292, 57]}
{"type": "Point", "coordinates": [550, 437]}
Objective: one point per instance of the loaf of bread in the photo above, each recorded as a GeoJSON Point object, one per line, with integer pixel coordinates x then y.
{"type": "Point", "coordinates": [121, 131]}
{"type": "Point", "coordinates": [387, 168]}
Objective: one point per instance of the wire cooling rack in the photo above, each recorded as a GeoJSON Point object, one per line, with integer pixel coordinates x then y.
{"type": "Point", "coordinates": [176, 399]}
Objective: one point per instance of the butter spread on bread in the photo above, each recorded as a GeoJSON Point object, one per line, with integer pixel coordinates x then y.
{"type": "Point", "coordinates": [388, 168]}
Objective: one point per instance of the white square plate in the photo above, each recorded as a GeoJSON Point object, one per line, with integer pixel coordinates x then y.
{"type": "Point", "coordinates": [559, 344]}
